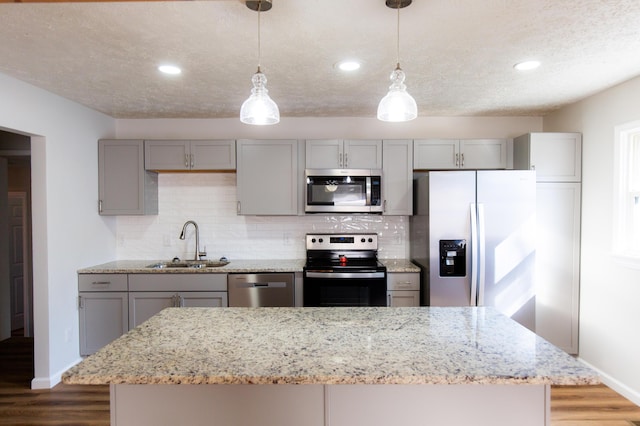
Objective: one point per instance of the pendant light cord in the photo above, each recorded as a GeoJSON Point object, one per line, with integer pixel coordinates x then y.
{"type": "Point", "coordinates": [259, 51]}
{"type": "Point", "coordinates": [398, 39]}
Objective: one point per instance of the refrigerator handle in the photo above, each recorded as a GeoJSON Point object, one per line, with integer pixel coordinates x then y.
{"type": "Point", "coordinates": [474, 249]}
{"type": "Point", "coordinates": [482, 254]}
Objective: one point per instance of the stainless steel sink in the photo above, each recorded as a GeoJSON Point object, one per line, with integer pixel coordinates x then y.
{"type": "Point", "coordinates": [193, 264]}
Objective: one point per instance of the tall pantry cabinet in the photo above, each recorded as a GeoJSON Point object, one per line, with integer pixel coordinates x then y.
{"type": "Point", "coordinates": [557, 159]}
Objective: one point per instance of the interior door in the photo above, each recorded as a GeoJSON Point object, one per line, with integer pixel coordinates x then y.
{"type": "Point", "coordinates": [507, 225]}
{"type": "Point", "coordinates": [5, 310]}
{"type": "Point", "coordinates": [17, 240]}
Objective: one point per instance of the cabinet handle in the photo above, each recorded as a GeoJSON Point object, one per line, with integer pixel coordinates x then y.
{"type": "Point", "coordinates": [186, 161]}
{"type": "Point", "coordinates": [180, 301]}
{"type": "Point", "coordinates": [80, 302]}
{"type": "Point", "coordinates": [99, 206]}
{"type": "Point", "coordinates": [192, 156]}
{"type": "Point", "coordinates": [384, 206]}
{"type": "Point", "coordinates": [462, 160]}
{"type": "Point", "coordinates": [346, 159]}
{"type": "Point", "coordinates": [340, 160]}
{"type": "Point", "coordinates": [457, 160]}
{"type": "Point", "coordinates": [101, 283]}
{"type": "Point", "coordinates": [389, 299]}
{"type": "Point", "coordinates": [238, 209]}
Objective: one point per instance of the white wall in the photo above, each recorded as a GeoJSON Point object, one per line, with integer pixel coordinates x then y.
{"type": "Point", "coordinates": [67, 231]}
{"type": "Point", "coordinates": [210, 199]}
{"type": "Point", "coordinates": [609, 291]}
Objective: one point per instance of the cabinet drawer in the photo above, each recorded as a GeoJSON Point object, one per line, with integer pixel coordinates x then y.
{"type": "Point", "coordinates": [178, 282]}
{"type": "Point", "coordinates": [102, 282]}
{"type": "Point", "coordinates": [403, 281]}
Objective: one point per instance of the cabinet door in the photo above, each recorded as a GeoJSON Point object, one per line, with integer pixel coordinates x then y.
{"type": "Point", "coordinates": [144, 305]}
{"type": "Point", "coordinates": [204, 299]}
{"type": "Point", "coordinates": [435, 154]}
{"type": "Point", "coordinates": [397, 182]}
{"type": "Point", "coordinates": [267, 177]}
{"type": "Point", "coordinates": [558, 263]}
{"type": "Point", "coordinates": [402, 298]}
{"type": "Point", "coordinates": [213, 155]}
{"type": "Point", "coordinates": [124, 186]}
{"type": "Point", "coordinates": [103, 318]}
{"type": "Point", "coordinates": [556, 157]}
{"type": "Point", "coordinates": [362, 154]}
{"type": "Point", "coordinates": [324, 154]}
{"type": "Point", "coordinates": [167, 155]}
{"type": "Point", "coordinates": [483, 154]}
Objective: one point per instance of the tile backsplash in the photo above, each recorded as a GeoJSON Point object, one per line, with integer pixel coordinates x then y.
{"type": "Point", "coordinates": [209, 199]}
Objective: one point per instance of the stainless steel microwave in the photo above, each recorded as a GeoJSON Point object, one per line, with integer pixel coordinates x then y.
{"type": "Point", "coordinates": [343, 191]}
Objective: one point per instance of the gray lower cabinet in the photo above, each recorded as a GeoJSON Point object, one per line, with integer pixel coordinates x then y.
{"type": "Point", "coordinates": [112, 304]}
{"type": "Point", "coordinates": [124, 186]}
{"type": "Point", "coordinates": [145, 304]}
{"type": "Point", "coordinates": [151, 293]}
{"type": "Point", "coordinates": [102, 310]}
{"type": "Point", "coordinates": [403, 289]}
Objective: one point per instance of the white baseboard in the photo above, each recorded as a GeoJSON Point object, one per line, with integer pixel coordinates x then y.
{"type": "Point", "coordinates": [51, 381]}
{"type": "Point", "coordinates": [624, 390]}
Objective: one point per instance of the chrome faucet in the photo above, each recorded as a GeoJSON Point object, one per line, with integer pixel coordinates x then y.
{"type": "Point", "coordinates": [198, 254]}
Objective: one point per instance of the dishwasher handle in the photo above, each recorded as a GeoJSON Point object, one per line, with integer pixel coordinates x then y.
{"type": "Point", "coordinates": [268, 284]}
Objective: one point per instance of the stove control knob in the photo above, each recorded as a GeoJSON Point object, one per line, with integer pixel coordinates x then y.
{"type": "Point", "coordinates": [362, 240]}
{"type": "Point", "coordinates": [313, 240]}
{"type": "Point", "coordinates": [320, 240]}
{"type": "Point", "coordinates": [370, 240]}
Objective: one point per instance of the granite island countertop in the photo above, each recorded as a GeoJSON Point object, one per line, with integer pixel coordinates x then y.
{"type": "Point", "coordinates": [235, 266]}
{"type": "Point", "coordinates": [372, 345]}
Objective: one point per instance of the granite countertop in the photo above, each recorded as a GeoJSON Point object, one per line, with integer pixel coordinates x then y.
{"type": "Point", "coordinates": [242, 266]}
{"type": "Point", "coordinates": [369, 345]}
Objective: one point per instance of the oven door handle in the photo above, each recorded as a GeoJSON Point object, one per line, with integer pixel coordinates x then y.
{"type": "Point", "coordinates": [311, 274]}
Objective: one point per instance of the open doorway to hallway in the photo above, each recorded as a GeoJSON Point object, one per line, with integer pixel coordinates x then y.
{"type": "Point", "coordinates": [16, 266]}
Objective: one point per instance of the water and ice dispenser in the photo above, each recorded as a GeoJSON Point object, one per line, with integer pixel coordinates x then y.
{"type": "Point", "coordinates": [453, 258]}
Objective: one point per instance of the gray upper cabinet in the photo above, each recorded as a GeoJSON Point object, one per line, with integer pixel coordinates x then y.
{"type": "Point", "coordinates": [124, 186]}
{"type": "Point", "coordinates": [397, 181]}
{"type": "Point", "coordinates": [181, 155]}
{"type": "Point", "coordinates": [449, 154]}
{"type": "Point", "coordinates": [556, 157]}
{"type": "Point", "coordinates": [343, 154]}
{"type": "Point", "coordinates": [267, 177]}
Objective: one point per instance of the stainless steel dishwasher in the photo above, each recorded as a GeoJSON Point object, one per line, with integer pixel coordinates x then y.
{"type": "Point", "coordinates": [258, 290]}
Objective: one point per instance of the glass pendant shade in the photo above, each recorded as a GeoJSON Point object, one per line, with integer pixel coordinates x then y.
{"type": "Point", "coordinates": [259, 108]}
{"type": "Point", "coordinates": [397, 105]}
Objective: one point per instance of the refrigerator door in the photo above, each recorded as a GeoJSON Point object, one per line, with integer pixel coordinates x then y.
{"type": "Point", "coordinates": [506, 227]}
{"type": "Point", "coordinates": [451, 196]}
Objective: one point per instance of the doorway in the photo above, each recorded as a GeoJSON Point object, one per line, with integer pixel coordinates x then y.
{"type": "Point", "coordinates": [17, 281]}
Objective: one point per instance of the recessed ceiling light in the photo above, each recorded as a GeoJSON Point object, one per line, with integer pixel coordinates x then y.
{"type": "Point", "coordinates": [527, 65]}
{"type": "Point", "coordinates": [348, 65]}
{"type": "Point", "coordinates": [169, 69]}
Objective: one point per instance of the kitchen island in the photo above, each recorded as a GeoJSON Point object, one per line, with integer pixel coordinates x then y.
{"type": "Point", "coordinates": [325, 366]}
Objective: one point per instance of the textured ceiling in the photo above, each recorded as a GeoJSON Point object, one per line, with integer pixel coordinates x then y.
{"type": "Point", "coordinates": [458, 54]}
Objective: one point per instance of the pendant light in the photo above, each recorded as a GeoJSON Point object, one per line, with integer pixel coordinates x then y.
{"type": "Point", "coordinates": [259, 108]}
{"type": "Point", "coordinates": [398, 105]}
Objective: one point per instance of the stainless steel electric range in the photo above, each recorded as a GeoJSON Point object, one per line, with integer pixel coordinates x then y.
{"type": "Point", "coordinates": [343, 270]}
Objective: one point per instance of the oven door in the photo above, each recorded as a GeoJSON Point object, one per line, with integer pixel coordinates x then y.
{"type": "Point", "coordinates": [345, 288]}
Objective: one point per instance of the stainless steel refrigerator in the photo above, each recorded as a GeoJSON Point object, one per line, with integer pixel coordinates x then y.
{"type": "Point", "coordinates": [473, 236]}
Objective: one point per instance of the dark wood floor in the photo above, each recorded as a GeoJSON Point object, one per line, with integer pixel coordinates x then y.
{"type": "Point", "coordinates": [89, 405]}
